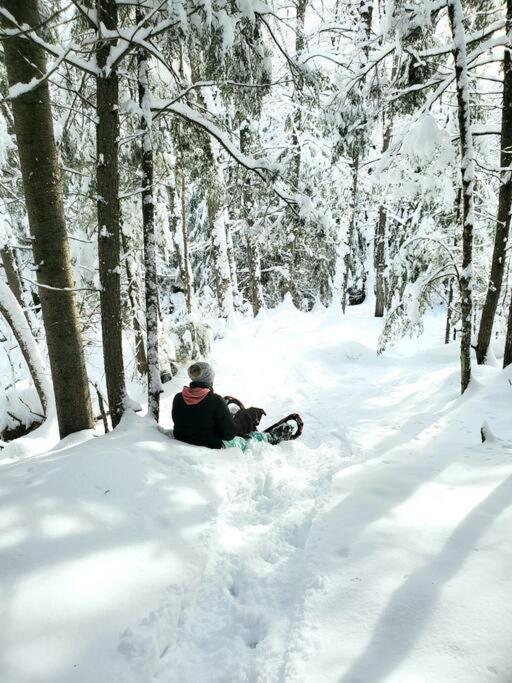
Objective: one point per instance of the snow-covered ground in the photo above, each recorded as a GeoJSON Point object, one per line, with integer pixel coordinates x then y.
{"type": "Point", "coordinates": [375, 549]}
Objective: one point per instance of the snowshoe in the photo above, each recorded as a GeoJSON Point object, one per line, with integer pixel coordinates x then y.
{"type": "Point", "coordinates": [284, 431]}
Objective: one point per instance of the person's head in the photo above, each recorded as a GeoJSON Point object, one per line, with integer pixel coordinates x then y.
{"type": "Point", "coordinates": [202, 372]}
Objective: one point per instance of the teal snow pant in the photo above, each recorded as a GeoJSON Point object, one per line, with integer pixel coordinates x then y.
{"type": "Point", "coordinates": [241, 443]}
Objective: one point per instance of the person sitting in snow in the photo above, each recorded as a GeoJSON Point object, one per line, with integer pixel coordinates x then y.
{"type": "Point", "coordinates": [202, 417]}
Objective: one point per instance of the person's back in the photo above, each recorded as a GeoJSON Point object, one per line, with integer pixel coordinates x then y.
{"type": "Point", "coordinates": [200, 416]}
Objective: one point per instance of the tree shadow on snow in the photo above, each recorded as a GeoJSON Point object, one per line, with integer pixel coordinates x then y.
{"type": "Point", "coordinates": [411, 605]}
{"type": "Point", "coordinates": [142, 499]}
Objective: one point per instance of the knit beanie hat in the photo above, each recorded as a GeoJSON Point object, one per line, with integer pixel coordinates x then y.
{"type": "Point", "coordinates": [202, 372]}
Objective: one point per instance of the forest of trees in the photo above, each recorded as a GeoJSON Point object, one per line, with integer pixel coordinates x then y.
{"type": "Point", "coordinates": [166, 164]}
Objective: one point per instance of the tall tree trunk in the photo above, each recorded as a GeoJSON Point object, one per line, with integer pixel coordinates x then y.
{"type": "Point", "coordinates": [107, 180]}
{"type": "Point", "coordinates": [467, 169]}
{"type": "Point", "coordinates": [253, 250]}
{"type": "Point", "coordinates": [449, 313]}
{"type": "Point", "coordinates": [148, 222]}
{"type": "Point", "coordinates": [26, 63]}
{"type": "Point", "coordinates": [380, 246]}
{"type": "Point", "coordinates": [300, 18]}
{"type": "Point", "coordinates": [351, 229]}
{"type": "Point", "coordinates": [232, 215]}
{"type": "Point", "coordinates": [296, 222]}
{"type": "Point", "coordinates": [216, 219]}
{"type": "Point", "coordinates": [254, 262]}
{"type": "Point", "coordinates": [232, 264]}
{"type": "Point", "coordinates": [186, 269]}
{"type": "Point", "coordinates": [504, 207]}
{"type": "Point", "coordinates": [507, 356]}
{"type": "Point", "coordinates": [140, 349]}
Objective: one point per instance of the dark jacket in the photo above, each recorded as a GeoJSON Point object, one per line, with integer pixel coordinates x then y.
{"type": "Point", "coordinates": [207, 423]}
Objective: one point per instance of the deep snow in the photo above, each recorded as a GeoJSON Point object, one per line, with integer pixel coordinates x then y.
{"type": "Point", "coordinates": [377, 548]}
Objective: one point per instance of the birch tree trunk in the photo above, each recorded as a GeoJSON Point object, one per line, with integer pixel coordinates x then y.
{"type": "Point", "coordinates": [25, 63]}
{"type": "Point", "coordinates": [148, 222]}
{"type": "Point", "coordinates": [504, 206]}
{"type": "Point", "coordinates": [467, 169]}
{"type": "Point", "coordinates": [107, 181]}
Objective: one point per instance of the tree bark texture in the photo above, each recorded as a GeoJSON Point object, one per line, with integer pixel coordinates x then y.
{"type": "Point", "coordinates": [107, 181]}
{"type": "Point", "coordinates": [380, 247]}
{"type": "Point", "coordinates": [133, 298]}
{"type": "Point", "coordinates": [504, 206]}
{"type": "Point", "coordinates": [351, 230]}
{"type": "Point", "coordinates": [11, 310]}
{"type": "Point", "coordinates": [25, 62]}
{"type": "Point", "coordinates": [467, 168]}
{"type": "Point", "coordinates": [253, 250]}
{"type": "Point", "coordinates": [11, 273]}
{"type": "Point", "coordinates": [507, 356]}
{"type": "Point", "coordinates": [148, 223]}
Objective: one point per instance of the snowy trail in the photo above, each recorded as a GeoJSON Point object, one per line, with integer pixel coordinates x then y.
{"type": "Point", "coordinates": [373, 550]}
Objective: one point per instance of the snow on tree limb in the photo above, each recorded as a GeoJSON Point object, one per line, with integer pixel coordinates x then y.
{"type": "Point", "coordinates": [13, 314]}
{"type": "Point", "coordinates": [189, 114]}
{"type": "Point", "coordinates": [65, 54]}
{"type": "Point", "coordinates": [264, 168]}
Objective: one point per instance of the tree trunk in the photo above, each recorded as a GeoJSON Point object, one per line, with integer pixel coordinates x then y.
{"type": "Point", "coordinates": [11, 274]}
{"type": "Point", "coordinates": [25, 62]}
{"type": "Point", "coordinates": [504, 206]}
{"type": "Point", "coordinates": [448, 313]}
{"type": "Point", "coordinates": [186, 270]}
{"type": "Point", "coordinates": [11, 310]}
{"type": "Point", "coordinates": [107, 180]}
{"type": "Point", "coordinates": [253, 251]}
{"type": "Point", "coordinates": [366, 14]}
{"type": "Point", "coordinates": [300, 19]}
{"type": "Point", "coordinates": [224, 291]}
{"type": "Point", "coordinates": [140, 349]}
{"type": "Point", "coordinates": [295, 221]}
{"type": "Point", "coordinates": [507, 356]}
{"type": "Point", "coordinates": [380, 246]}
{"type": "Point", "coordinates": [254, 262]}
{"type": "Point", "coordinates": [467, 169]}
{"type": "Point", "coordinates": [232, 265]}
{"type": "Point", "coordinates": [148, 222]}
{"type": "Point", "coordinates": [351, 229]}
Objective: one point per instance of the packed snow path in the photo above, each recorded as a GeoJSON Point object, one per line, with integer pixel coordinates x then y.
{"type": "Point", "coordinates": [375, 549]}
